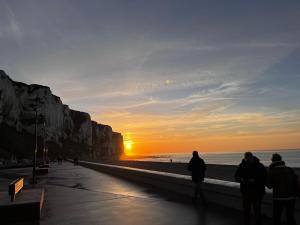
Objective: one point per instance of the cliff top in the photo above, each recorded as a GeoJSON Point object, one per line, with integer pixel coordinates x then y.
{"type": "Point", "coordinates": [34, 87]}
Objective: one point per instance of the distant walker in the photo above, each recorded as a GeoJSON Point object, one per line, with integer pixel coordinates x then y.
{"type": "Point", "coordinates": [198, 167]}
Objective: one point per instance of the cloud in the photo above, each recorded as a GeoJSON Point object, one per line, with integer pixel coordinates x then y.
{"type": "Point", "coordinates": [13, 28]}
{"type": "Point", "coordinates": [202, 68]}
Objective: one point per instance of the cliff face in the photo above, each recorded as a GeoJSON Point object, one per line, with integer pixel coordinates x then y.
{"type": "Point", "coordinates": [67, 132]}
{"type": "Point", "coordinates": [106, 143]}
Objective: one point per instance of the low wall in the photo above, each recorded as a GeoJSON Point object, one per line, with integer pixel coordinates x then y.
{"type": "Point", "coordinates": [215, 171]}
{"type": "Point", "coordinates": [225, 193]}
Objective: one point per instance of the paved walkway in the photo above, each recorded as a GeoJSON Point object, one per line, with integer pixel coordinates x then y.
{"type": "Point", "coordinates": [77, 195]}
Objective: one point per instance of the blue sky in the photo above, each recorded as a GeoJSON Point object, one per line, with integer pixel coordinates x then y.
{"type": "Point", "coordinates": [188, 69]}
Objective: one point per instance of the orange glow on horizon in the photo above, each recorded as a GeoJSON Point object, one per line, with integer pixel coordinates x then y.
{"type": "Point", "coordinates": [212, 144]}
{"type": "Point", "coordinates": [219, 144]}
{"type": "Point", "coordinates": [235, 132]}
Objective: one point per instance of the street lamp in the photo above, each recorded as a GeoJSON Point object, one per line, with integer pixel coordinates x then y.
{"type": "Point", "coordinates": [44, 150]}
{"type": "Point", "coordinates": [36, 141]}
{"type": "Point", "coordinates": [35, 150]}
{"type": "Point", "coordinates": [47, 155]}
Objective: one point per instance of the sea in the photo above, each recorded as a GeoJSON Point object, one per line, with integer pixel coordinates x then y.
{"type": "Point", "coordinates": [291, 157]}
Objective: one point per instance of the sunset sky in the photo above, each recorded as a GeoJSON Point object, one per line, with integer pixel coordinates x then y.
{"type": "Point", "coordinates": [171, 75]}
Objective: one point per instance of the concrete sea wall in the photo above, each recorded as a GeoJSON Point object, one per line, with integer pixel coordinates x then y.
{"type": "Point", "coordinates": [225, 193]}
{"type": "Point", "coordinates": [216, 171]}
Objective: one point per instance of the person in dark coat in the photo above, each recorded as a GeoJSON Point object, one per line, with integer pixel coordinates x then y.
{"type": "Point", "coordinates": [76, 161]}
{"type": "Point", "coordinates": [251, 175]}
{"type": "Point", "coordinates": [198, 167]}
{"type": "Point", "coordinates": [283, 181]}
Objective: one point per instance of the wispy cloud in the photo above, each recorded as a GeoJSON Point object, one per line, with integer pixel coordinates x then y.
{"type": "Point", "coordinates": [197, 69]}
{"type": "Point", "coordinates": [14, 25]}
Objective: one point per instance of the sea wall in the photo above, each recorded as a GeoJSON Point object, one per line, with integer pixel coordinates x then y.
{"type": "Point", "coordinates": [218, 192]}
{"type": "Point", "coordinates": [215, 171]}
{"type": "Point", "coordinates": [67, 132]}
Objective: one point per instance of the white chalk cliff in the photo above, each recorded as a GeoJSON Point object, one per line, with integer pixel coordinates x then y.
{"type": "Point", "coordinates": [67, 132]}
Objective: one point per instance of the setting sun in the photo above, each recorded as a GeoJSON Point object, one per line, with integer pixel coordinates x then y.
{"type": "Point", "coordinates": [128, 147]}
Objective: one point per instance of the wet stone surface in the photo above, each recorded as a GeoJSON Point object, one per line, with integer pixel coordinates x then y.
{"type": "Point", "coordinates": [77, 195]}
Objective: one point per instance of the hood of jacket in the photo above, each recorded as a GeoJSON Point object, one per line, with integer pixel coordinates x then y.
{"type": "Point", "coordinates": [276, 164]}
{"type": "Point", "coordinates": [255, 160]}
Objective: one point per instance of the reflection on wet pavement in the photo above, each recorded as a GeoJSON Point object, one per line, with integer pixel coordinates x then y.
{"type": "Point", "coordinates": [77, 177]}
{"type": "Point", "coordinates": [77, 195]}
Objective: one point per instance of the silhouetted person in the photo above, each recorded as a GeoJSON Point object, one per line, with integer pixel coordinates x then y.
{"type": "Point", "coordinates": [251, 175]}
{"type": "Point", "coordinates": [283, 180]}
{"type": "Point", "coordinates": [76, 161]}
{"type": "Point", "coordinates": [59, 160]}
{"type": "Point", "coordinates": [198, 167]}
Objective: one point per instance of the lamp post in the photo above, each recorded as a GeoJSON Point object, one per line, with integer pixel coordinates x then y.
{"type": "Point", "coordinates": [47, 155]}
{"type": "Point", "coordinates": [35, 150]}
{"type": "Point", "coordinates": [44, 150]}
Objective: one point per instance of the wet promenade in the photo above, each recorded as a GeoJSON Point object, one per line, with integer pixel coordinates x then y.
{"type": "Point", "coordinates": [77, 195]}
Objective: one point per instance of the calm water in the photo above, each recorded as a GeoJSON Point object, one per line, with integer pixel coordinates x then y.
{"type": "Point", "coordinates": [291, 157]}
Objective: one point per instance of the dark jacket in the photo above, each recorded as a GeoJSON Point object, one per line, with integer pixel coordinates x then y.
{"type": "Point", "coordinates": [198, 168]}
{"type": "Point", "coordinates": [283, 180]}
{"type": "Point", "coordinates": [252, 177]}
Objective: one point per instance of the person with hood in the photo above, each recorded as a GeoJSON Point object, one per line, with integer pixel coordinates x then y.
{"type": "Point", "coordinates": [252, 175]}
{"type": "Point", "coordinates": [198, 167]}
{"type": "Point", "coordinates": [283, 181]}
